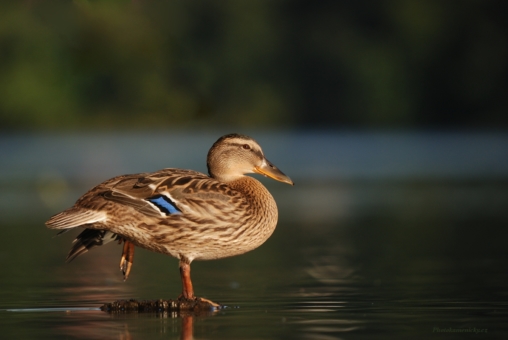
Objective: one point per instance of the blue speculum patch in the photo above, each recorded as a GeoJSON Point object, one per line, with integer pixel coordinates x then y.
{"type": "Point", "coordinates": [164, 204]}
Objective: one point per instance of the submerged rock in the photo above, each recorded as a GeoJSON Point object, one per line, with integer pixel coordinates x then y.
{"type": "Point", "coordinates": [156, 306]}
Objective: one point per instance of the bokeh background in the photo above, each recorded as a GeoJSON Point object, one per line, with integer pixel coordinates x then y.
{"type": "Point", "coordinates": [270, 64]}
{"type": "Point", "coordinates": [391, 117]}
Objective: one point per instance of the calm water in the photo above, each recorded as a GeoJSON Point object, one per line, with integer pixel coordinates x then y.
{"type": "Point", "coordinates": [351, 258]}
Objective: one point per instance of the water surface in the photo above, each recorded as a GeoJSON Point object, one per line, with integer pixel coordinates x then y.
{"type": "Point", "coordinates": [352, 257]}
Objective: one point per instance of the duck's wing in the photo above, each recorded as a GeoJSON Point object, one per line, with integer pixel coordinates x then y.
{"type": "Point", "coordinates": [164, 194]}
{"type": "Point", "coordinates": [173, 192]}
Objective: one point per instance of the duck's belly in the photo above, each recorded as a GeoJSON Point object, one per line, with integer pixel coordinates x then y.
{"type": "Point", "coordinates": [199, 243]}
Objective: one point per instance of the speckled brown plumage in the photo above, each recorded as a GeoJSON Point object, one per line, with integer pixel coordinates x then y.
{"type": "Point", "coordinates": [182, 213]}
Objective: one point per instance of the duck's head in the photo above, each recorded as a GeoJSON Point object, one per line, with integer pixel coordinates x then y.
{"type": "Point", "coordinates": [234, 155]}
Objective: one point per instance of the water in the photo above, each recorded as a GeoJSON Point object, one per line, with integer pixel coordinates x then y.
{"type": "Point", "coordinates": [351, 258]}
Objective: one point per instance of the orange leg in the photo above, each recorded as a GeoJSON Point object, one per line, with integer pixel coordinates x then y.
{"type": "Point", "coordinates": [187, 291]}
{"type": "Point", "coordinates": [127, 259]}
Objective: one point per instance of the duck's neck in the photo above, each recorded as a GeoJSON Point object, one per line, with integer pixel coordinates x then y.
{"type": "Point", "coordinates": [261, 203]}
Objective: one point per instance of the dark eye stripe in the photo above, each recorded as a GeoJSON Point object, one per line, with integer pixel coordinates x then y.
{"type": "Point", "coordinates": [256, 151]}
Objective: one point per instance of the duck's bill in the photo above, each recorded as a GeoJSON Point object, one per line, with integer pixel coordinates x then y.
{"type": "Point", "coordinates": [269, 170]}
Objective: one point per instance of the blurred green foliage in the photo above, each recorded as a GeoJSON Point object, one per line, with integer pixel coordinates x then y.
{"type": "Point", "coordinates": [397, 63]}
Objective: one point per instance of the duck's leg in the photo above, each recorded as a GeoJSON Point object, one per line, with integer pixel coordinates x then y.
{"type": "Point", "coordinates": [127, 259]}
{"type": "Point", "coordinates": [187, 290]}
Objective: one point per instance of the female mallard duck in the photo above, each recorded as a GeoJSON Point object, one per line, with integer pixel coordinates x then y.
{"type": "Point", "coordinates": [182, 213]}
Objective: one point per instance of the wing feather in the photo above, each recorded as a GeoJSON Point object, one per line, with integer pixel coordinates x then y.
{"type": "Point", "coordinates": [194, 195]}
{"type": "Point", "coordinates": [191, 192]}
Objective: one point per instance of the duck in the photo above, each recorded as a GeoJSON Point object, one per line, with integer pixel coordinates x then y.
{"type": "Point", "coordinates": [182, 213]}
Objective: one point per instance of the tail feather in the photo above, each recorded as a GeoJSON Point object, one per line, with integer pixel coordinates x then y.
{"type": "Point", "coordinates": [88, 239]}
{"type": "Point", "coordinates": [75, 217]}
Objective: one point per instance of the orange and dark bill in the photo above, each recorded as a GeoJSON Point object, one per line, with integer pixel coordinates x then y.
{"type": "Point", "coordinates": [269, 170]}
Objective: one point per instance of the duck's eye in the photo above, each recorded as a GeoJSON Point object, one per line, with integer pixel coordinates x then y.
{"type": "Point", "coordinates": [246, 146]}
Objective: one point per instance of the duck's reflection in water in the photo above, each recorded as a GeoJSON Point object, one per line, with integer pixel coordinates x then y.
{"type": "Point", "coordinates": [182, 321]}
{"type": "Point", "coordinates": [187, 332]}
